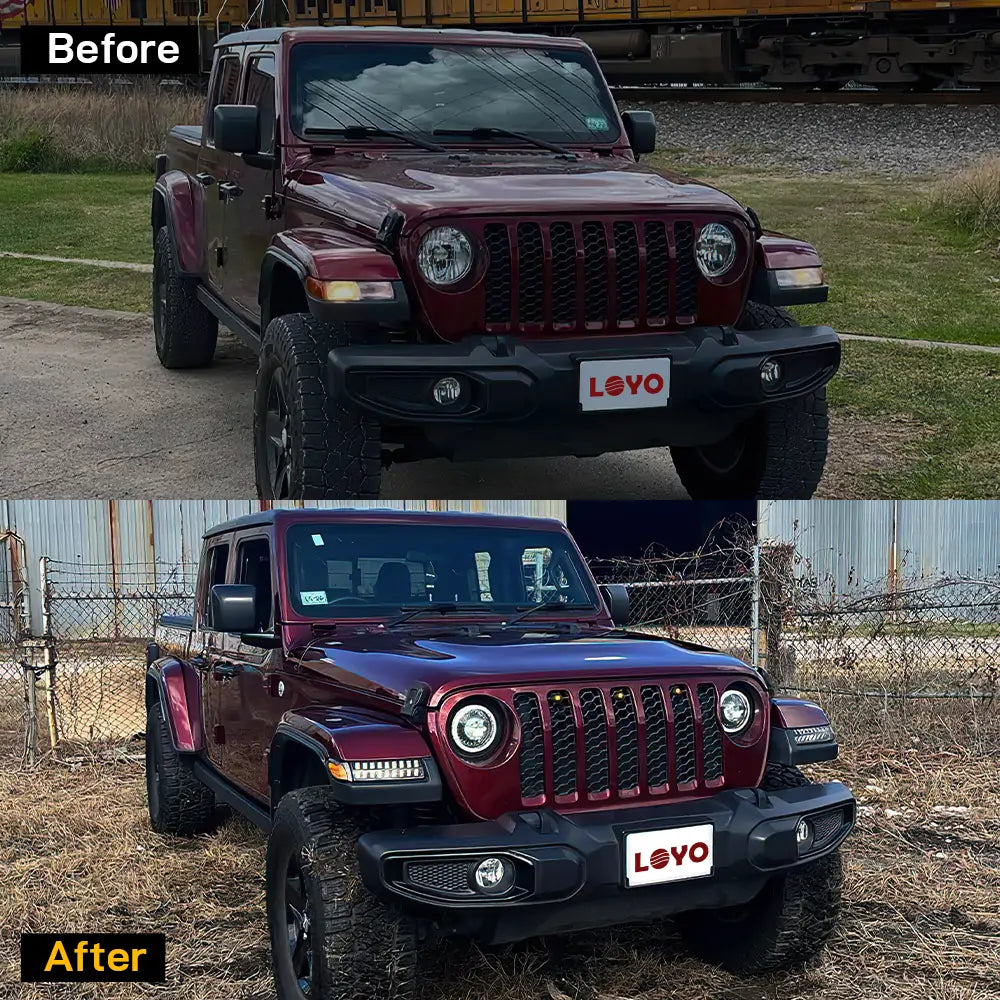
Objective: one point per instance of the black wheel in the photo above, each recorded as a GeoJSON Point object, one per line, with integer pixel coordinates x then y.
{"type": "Point", "coordinates": [184, 330]}
{"type": "Point", "coordinates": [786, 925]}
{"type": "Point", "coordinates": [778, 454]}
{"type": "Point", "coordinates": [178, 802]}
{"type": "Point", "coordinates": [307, 444]}
{"type": "Point", "coordinates": [331, 939]}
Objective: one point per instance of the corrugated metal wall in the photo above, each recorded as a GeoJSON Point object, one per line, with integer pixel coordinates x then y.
{"type": "Point", "coordinates": [858, 542]}
{"type": "Point", "coordinates": [165, 535]}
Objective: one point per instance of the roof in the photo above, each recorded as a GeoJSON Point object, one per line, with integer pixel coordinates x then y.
{"type": "Point", "coordinates": [371, 514]}
{"type": "Point", "coordinates": [271, 36]}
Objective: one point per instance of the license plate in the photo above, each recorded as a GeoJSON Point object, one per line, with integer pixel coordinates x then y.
{"type": "Point", "coordinates": [668, 855]}
{"type": "Point", "coordinates": [624, 385]}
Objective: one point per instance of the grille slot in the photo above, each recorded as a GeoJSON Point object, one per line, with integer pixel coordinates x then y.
{"type": "Point", "coordinates": [657, 271]}
{"type": "Point", "coordinates": [563, 244]}
{"type": "Point", "coordinates": [626, 272]}
{"type": "Point", "coordinates": [532, 757]}
{"type": "Point", "coordinates": [498, 274]}
{"type": "Point", "coordinates": [563, 743]}
{"type": "Point", "coordinates": [711, 734]}
{"type": "Point", "coordinates": [657, 756]}
{"type": "Point", "coordinates": [687, 270]}
{"type": "Point", "coordinates": [595, 740]}
{"type": "Point", "coordinates": [685, 765]}
{"type": "Point", "coordinates": [530, 261]}
{"type": "Point", "coordinates": [626, 739]}
{"type": "Point", "coordinates": [595, 272]}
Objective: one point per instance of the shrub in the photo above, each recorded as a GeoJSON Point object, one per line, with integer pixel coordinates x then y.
{"type": "Point", "coordinates": [971, 199]}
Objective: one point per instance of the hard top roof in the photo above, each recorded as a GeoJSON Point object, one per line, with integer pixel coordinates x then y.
{"type": "Point", "coordinates": [291, 515]}
{"type": "Point", "coordinates": [271, 36]}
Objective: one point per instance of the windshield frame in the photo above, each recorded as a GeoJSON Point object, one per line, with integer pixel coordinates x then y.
{"type": "Point", "coordinates": [292, 137]}
{"type": "Point", "coordinates": [596, 610]}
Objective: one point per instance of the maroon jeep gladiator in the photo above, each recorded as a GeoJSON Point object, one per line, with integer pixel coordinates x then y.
{"type": "Point", "coordinates": [446, 730]}
{"type": "Point", "coordinates": [440, 243]}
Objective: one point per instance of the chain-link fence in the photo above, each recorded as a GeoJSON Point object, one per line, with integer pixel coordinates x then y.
{"type": "Point", "coordinates": [99, 619]}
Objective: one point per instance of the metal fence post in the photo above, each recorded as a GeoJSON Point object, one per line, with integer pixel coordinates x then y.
{"type": "Point", "coordinates": [49, 651]}
{"type": "Point", "coordinates": [31, 710]}
{"type": "Point", "coordinates": [755, 608]}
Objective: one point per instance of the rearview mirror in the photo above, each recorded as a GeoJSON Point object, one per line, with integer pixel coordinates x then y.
{"type": "Point", "coordinates": [234, 608]}
{"type": "Point", "coordinates": [640, 127]}
{"type": "Point", "coordinates": [236, 128]}
{"type": "Point", "coordinates": [616, 598]}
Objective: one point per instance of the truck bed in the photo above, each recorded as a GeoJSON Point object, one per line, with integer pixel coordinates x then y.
{"type": "Point", "coordinates": [183, 146]}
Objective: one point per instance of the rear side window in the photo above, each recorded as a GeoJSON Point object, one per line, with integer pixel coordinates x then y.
{"type": "Point", "coordinates": [253, 566]}
{"type": "Point", "coordinates": [259, 90]}
{"type": "Point", "coordinates": [225, 87]}
{"type": "Point", "coordinates": [217, 558]}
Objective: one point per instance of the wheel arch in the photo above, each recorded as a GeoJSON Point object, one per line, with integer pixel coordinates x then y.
{"type": "Point", "coordinates": [176, 685]}
{"type": "Point", "coordinates": [177, 205]}
{"type": "Point", "coordinates": [282, 286]}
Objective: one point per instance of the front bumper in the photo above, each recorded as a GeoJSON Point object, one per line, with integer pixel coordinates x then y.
{"type": "Point", "coordinates": [571, 868]}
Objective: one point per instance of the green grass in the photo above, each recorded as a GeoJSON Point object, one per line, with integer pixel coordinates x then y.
{"type": "Point", "coordinates": [97, 216]}
{"type": "Point", "coordinates": [75, 285]}
{"type": "Point", "coordinates": [955, 398]}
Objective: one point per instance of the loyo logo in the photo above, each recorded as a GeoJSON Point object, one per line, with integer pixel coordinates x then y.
{"type": "Point", "coordinates": [626, 384]}
{"type": "Point", "coordinates": [676, 854]}
{"type": "Point", "coordinates": [614, 385]}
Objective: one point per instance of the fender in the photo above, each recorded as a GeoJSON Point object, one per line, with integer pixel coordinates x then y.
{"type": "Point", "coordinates": [800, 733]}
{"type": "Point", "coordinates": [775, 252]}
{"type": "Point", "coordinates": [350, 735]}
{"type": "Point", "coordinates": [330, 256]}
{"type": "Point", "coordinates": [179, 687]}
{"type": "Point", "coordinates": [177, 204]}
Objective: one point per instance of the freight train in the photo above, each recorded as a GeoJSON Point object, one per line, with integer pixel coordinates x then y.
{"type": "Point", "coordinates": [801, 44]}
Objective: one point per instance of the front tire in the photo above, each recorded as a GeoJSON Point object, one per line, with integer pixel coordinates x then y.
{"type": "Point", "coordinates": [779, 453]}
{"type": "Point", "coordinates": [331, 939]}
{"type": "Point", "coordinates": [786, 925]}
{"type": "Point", "coordinates": [308, 444]}
{"type": "Point", "coordinates": [185, 332]}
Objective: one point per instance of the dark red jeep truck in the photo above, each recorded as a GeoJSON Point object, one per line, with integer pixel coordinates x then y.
{"type": "Point", "coordinates": [446, 731]}
{"type": "Point", "coordinates": [440, 243]}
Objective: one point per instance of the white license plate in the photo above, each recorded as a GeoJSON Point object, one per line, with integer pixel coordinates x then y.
{"type": "Point", "coordinates": [624, 385]}
{"type": "Point", "coordinates": [668, 855]}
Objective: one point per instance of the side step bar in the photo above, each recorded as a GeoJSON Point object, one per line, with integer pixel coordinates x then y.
{"type": "Point", "coordinates": [232, 796]}
{"type": "Point", "coordinates": [243, 332]}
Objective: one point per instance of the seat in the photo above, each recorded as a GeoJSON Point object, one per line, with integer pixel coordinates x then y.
{"type": "Point", "coordinates": [392, 586]}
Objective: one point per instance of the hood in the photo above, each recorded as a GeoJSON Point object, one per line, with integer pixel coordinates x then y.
{"type": "Point", "coordinates": [388, 663]}
{"type": "Point", "coordinates": [365, 187]}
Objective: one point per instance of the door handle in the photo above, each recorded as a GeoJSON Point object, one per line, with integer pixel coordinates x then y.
{"type": "Point", "coordinates": [228, 190]}
{"type": "Point", "coordinates": [223, 671]}
{"type": "Point", "coordinates": [204, 179]}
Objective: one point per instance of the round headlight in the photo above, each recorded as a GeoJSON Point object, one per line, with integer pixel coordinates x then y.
{"type": "Point", "coordinates": [445, 256]}
{"type": "Point", "coordinates": [715, 250]}
{"type": "Point", "coordinates": [736, 711]}
{"type": "Point", "coordinates": [474, 729]}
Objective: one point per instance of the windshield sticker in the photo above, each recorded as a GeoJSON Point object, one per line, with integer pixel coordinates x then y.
{"type": "Point", "coordinates": [318, 540]}
{"type": "Point", "coordinates": [313, 597]}
{"type": "Point", "coordinates": [596, 123]}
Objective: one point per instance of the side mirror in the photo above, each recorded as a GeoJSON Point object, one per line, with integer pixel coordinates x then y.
{"type": "Point", "coordinates": [185, 622]}
{"type": "Point", "coordinates": [234, 608]}
{"type": "Point", "coordinates": [616, 598]}
{"type": "Point", "coordinates": [237, 128]}
{"type": "Point", "coordinates": [640, 127]}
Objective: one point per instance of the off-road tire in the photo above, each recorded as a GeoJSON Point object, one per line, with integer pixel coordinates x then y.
{"type": "Point", "coordinates": [784, 444]}
{"type": "Point", "coordinates": [178, 802]}
{"type": "Point", "coordinates": [786, 925]}
{"type": "Point", "coordinates": [361, 947]}
{"type": "Point", "coordinates": [184, 331]}
{"type": "Point", "coordinates": [333, 450]}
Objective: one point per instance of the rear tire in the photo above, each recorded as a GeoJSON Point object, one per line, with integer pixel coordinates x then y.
{"type": "Point", "coordinates": [185, 332]}
{"type": "Point", "coordinates": [779, 453]}
{"type": "Point", "coordinates": [786, 925]}
{"type": "Point", "coordinates": [309, 445]}
{"type": "Point", "coordinates": [331, 939]}
{"type": "Point", "coordinates": [178, 802]}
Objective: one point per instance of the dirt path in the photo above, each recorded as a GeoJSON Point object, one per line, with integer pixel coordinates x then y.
{"type": "Point", "coordinates": [87, 411]}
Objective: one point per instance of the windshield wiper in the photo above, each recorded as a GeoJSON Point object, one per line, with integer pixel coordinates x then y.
{"type": "Point", "coordinates": [413, 610]}
{"type": "Point", "coordinates": [374, 132]}
{"type": "Point", "coordinates": [491, 131]}
{"type": "Point", "coordinates": [530, 609]}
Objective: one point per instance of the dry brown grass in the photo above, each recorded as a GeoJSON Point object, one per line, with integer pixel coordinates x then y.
{"type": "Point", "coordinates": [971, 198]}
{"type": "Point", "coordinates": [97, 127]}
{"type": "Point", "coordinates": [920, 918]}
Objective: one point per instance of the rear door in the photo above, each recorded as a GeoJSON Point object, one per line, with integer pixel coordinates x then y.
{"type": "Point", "coordinates": [215, 169]}
{"type": "Point", "coordinates": [215, 563]}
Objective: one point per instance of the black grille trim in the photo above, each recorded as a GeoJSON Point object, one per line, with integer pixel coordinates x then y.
{"type": "Point", "coordinates": [562, 241]}
{"type": "Point", "coordinates": [686, 284]}
{"type": "Point", "coordinates": [446, 877]}
{"type": "Point", "coordinates": [685, 764]}
{"type": "Point", "coordinates": [532, 753]}
{"type": "Point", "coordinates": [711, 733]}
{"type": "Point", "coordinates": [626, 739]}
{"type": "Point", "coordinates": [530, 276]}
{"type": "Point", "coordinates": [626, 272]}
{"type": "Point", "coordinates": [657, 753]}
{"type": "Point", "coordinates": [498, 274]}
{"type": "Point", "coordinates": [654, 236]}
{"type": "Point", "coordinates": [563, 743]}
{"type": "Point", "coordinates": [595, 272]}
{"type": "Point", "coordinates": [595, 741]}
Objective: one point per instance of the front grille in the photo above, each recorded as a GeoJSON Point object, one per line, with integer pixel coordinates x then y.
{"type": "Point", "coordinates": [597, 274]}
{"type": "Point", "coordinates": [632, 739]}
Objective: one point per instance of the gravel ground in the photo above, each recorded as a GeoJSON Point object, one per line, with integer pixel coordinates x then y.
{"type": "Point", "coordinates": [825, 138]}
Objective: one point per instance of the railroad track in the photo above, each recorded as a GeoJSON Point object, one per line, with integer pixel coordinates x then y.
{"type": "Point", "coordinates": [771, 95]}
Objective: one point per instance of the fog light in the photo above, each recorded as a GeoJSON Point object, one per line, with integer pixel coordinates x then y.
{"type": "Point", "coordinates": [803, 834]}
{"type": "Point", "coordinates": [447, 390]}
{"type": "Point", "coordinates": [493, 875]}
{"type": "Point", "coordinates": [770, 373]}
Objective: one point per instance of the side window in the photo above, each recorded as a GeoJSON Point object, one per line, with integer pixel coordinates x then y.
{"type": "Point", "coordinates": [253, 565]}
{"type": "Point", "coordinates": [259, 90]}
{"type": "Point", "coordinates": [218, 557]}
{"type": "Point", "coordinates": [224, 89]}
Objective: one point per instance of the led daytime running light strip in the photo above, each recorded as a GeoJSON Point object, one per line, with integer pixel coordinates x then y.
{"type": "Point", "coordinates": [406, 769]}
{"type": "Point", "coordinates": [813, 734]}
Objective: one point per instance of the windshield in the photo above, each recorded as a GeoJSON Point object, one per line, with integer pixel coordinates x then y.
{"type": "Point", "coordinates": [556, 94]}
{"type": "Point", "coordinates": [373, 570]}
